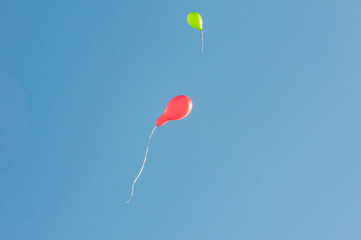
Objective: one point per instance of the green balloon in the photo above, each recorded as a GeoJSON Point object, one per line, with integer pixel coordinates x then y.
{"type": "Point", "coordinates": [195, 21]}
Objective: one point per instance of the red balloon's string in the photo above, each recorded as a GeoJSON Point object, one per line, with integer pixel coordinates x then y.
{"type": "Point", "coordinates": [141, 170]}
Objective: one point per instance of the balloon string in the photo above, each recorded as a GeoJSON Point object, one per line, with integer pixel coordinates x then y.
{"type": "Point", "coordinates": [202, 42]}
{"type": "Point", "coordinates": [141, 170]}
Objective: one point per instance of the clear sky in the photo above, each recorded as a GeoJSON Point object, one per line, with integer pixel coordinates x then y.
{"type": "Point", "coordinates": [271, 150]}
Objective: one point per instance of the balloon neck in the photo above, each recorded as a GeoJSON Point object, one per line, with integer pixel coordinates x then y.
{"type": "Point", "coordinates": [161, 120]}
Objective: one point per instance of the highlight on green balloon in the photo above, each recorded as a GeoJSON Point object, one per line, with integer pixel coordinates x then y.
{"type": "Point", "coordinates": [195, 21]}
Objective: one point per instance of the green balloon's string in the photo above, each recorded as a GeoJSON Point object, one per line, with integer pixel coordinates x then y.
{"type": "Point", "coordinates": [141, 170]}
{"type": "Point", "coordinates": [202, 42]}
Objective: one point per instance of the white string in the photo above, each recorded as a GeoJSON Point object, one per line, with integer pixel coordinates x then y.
{"type": "Point", "coordinates": [141, 170]}
{"type": "Point", "coordinates": [202, 41]}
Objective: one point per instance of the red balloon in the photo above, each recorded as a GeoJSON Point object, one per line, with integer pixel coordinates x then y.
{"type": "Point", "coordinates": [177, 108]}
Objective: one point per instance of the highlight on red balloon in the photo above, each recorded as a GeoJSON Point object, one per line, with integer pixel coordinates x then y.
{"type": "Point", "coordinates": [177, 108]}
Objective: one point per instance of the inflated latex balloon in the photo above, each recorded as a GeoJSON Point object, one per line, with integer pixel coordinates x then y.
{"type": "Point", "coordinates": [195, 21]}
{"type": "Point", "coordinates": [177, 108]}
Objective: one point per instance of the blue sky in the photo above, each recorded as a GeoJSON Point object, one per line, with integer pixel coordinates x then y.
{"type": "Point", "coordinates": [271, 149]}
